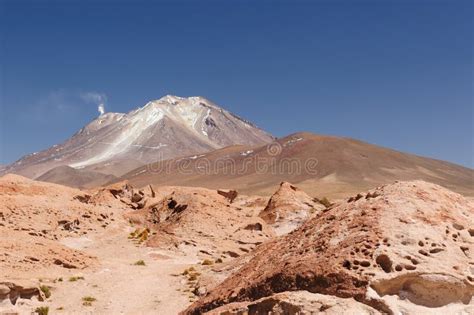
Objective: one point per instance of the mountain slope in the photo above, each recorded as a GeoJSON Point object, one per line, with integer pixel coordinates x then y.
{"type": "Point", "coordinates": [66, 175]}
{"type": "Point", "coordinates": [320, 165]}
{"type": "Point", "coordinates": [166, 128]}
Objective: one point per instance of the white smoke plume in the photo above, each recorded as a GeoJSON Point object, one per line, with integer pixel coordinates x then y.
{"type": "Point", "coordinates": [99, 99]}
{"type": "Point", "coordinates": [101, 108]}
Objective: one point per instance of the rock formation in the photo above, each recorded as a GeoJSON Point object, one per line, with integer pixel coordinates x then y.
{"type": "Point", "coordinates": [288, 208]}
{"type": "Point", "coordinates": [204, 219]}
{"type": "Point", "coordinates": [297, 302]}
{"type": "Point", "coordinates": [405, 246]}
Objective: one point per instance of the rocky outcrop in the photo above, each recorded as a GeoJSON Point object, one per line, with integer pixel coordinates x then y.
{"type": "Point", "coordinates": [12, 291]}
{"type": "Point", "coordinates": [297, 302]}
{"type": "Point", "coordinates": [405, 246]}
{"type": "Point", "coordinates": [288, 208]}
{"type": "Point", "coordinates": [228, 193]}
{"type": "Point", "coordinates": [203, 219]}
{"type": "Point", "coordinates": [35, 216]}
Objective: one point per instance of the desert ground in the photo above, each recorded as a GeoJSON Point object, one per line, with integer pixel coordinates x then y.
{"type": "Point", "coordinates": [403, 248]}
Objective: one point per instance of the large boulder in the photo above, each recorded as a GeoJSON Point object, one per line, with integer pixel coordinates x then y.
{"type": "Point", "coordinates": [288, 208]}
{"type": "Point", "coordinates": [405, 247]}
{"type": "Point", "coordinates": [12, 291]}
{"type": "Point", "coordinates": [296, 302]}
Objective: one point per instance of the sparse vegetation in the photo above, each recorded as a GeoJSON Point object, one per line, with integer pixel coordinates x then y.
{"type": "Point", "coordinates": [73, 279]}
{"type": "Point", "coordinates": [140, 263]}
{"type": "Point", "coordinates": [42, 310]}
{"type": "Point", "coordinates": [45, 289]}
{"type": "Point", "coordinates": [207, 262]}
{"type": "Point", "coordinates": [191, 274]}
{"type": "Point", "coordinates": [325, 202]}
{"type": "Point", "coordinates": [188, 271]}
{"type": "Point", "coordinates": [140, 235]}
{"type": "Point", "coordinates": [219, 261]}
{"type": "Point", "coordinates": [133, 234]}
{"type": "Point", "coordinates": [87, 300]}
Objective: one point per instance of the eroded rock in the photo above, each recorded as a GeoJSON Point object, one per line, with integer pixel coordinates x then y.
{"type": "Point", "coordinates": [229, 194]}
{"type": "Point", "coordinates": [297, 302]}
{"type": "Point", "coordinates": [288, 208]}
{"type": "Point", "coordinates": [403, 246]}
{"type": "Point", "coordinates": [20, 289]}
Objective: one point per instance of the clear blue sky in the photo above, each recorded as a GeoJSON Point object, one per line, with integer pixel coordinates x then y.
{"type": "Point", "coordinates": [393, 73]}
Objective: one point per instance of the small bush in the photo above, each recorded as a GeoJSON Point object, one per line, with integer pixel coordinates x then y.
{"type": "Point", "coordinates": [73, 279]}
{"type": "Point", "coordinates": [46, 291]}
{"type": "Point", "coordinates": [207, 262]}
{"type": "Point", "coordinates": [219, 261]}
{"type": "Point", "coordinates": [60, 279]}
{"type": "Point", "coordinates": [191, 274]}
{"type": "Point", "coordinates": [87, 300]}
{"type": "Point", "coordinates": [134, 234]}
{"type": "Point", "coordinates": [188, 271]}
{"type": "Point", "coordinates": [139, 263]}
{"type": "Point", "coordinates": [143, 236]}
{"type": "Point", "coordinates": [325, 202]}
{"type": "Point", "coordinates": [140, 236]}
{"type": "Point", "coordinates": [43, 310]}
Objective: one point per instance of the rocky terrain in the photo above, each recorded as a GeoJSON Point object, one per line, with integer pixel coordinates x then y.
{"type": "Point", "coordinates": [323, 166]}
{"type": "Point", "coordinates": [70, 251]}
{"type": "Point", "coordinates": [34, 216]}
{"type": "Point", "coordinates": [96, 242]}
{"type": "Point", "coordinates": [399, 248]}
{"type": "Point", "coordinates": [297, 302]}
{"type": "Point", "coordinates": [169, 127]}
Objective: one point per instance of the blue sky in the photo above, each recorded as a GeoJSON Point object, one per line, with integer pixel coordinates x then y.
{"type": "Point", "coordinates": [393, 73]}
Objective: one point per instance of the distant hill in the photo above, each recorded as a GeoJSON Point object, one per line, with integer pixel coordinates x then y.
{"type": "Point", "coordinates": [65, 175]}
{"type": "Point", "coordinates": [329, 166]}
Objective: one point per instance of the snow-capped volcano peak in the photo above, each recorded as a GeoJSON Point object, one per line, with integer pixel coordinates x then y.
{"type": "Point", "coordinates": [168, 127]}
{"type": "Point", "coordinates": [171, 99]}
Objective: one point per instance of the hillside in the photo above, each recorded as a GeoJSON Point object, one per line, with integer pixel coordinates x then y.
{"type": "Point", "coordinates": [66, 175]}
{"type": "Point", "coordinates": [321, 165]}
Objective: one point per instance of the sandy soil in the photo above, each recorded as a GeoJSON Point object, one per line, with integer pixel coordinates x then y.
{"type": "Point", "coordinates": [96, 252]}
{"type": "Point", "coordinates": [119, 286]}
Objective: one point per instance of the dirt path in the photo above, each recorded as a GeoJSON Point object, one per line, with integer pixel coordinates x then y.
{"type": "Point", "coordinates": [119, 286]}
